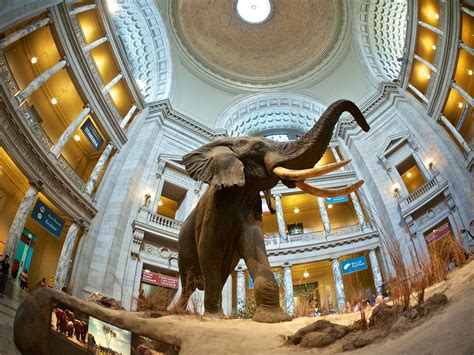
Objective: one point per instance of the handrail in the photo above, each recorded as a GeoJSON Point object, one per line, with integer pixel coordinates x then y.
{"type": "Point", "coordinates": [163, 221]}
{"type": "Point", "coordinates": [346, 229]}
{"type": "Point", "coordinates": [430, 184]}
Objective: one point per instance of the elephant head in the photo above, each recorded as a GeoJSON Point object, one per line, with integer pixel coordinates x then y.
{"type": "Point", "coordinates": [261, 163]}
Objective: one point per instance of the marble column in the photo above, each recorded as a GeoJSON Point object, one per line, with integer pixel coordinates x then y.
{"type": "Point", "coordinates": [67, 134]}
{"type": "Point", "coordinates": [324, 216]}
{"type": "Point", "coordinates": [358, 209]}
{"type": "Point", "coordinates": [288, 283]}
{"type": "Point", "coordinates": [127, 117]}
{"type": "Point", "coordinates": [80, 9]}
{"type": "Point", "coordinates": [40, 80]}
{"type": "Point", "coordinates": [110, 85]}
{"type": "Point", "coordinates": [15, 36]}
{"type": "Point", "coordinates": [98, 169]}
{"type": "Point", "coordinates": [280, 218]}
{"type": "Point", "coordinates": [376, 272]}
{"type": "Point", "coordinates": [337, 157]}
{"type": "Point", "coordinates": [240, 289]}
{"type": "Point", "coordinates": [19, 221]}
{"type": "Point", "coordinates": [60, 279]}
{"type": "Point", "coordinates": [94, 44]}
{"type": "Point", "coordinates": [340, 296]}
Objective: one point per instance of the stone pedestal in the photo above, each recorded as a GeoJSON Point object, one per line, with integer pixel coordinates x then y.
{"type": "Point", "coordinates": [339, 285]}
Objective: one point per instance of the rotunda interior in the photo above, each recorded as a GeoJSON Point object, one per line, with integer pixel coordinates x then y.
{"type": "Point", "coordinates": [105, 104]}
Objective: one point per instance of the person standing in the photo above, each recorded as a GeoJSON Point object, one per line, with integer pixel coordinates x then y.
{"type": "Point", "coordinates": [15, 267]}
{"type": "Point", "coordinates": [4, 268]}
{"type": "Point", "coordinates": [24, 279]}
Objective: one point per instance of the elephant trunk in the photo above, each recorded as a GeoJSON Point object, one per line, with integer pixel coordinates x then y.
{"type": "Point", "coordinates": [306, 151]}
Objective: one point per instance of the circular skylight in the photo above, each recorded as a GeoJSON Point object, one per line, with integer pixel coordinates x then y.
{"type": "Point", "coordinates": [254, 11]}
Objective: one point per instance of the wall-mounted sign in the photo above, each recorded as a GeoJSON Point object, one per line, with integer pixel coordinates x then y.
{"type": "Point", "coordinates": [92, 134]}
{"type": "Point", "coordinates": [338, 199]}
{"type": "Point", "coordinates": [47, 219]}
{"type": "Point", "coordinates": [353, 265]}
{"type": "Point", "coordinates": [153, 278]}
{"type": "Point", "coordinates": [276, 274]}
{"type": "Point", "coordinates": [438, 233]}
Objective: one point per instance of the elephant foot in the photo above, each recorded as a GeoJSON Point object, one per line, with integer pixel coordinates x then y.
{"type": "Point", "coordinates": [271, 315]}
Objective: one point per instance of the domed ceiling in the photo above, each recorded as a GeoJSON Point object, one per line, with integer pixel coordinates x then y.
{"type": "Point", "coordinates": [300, 39]}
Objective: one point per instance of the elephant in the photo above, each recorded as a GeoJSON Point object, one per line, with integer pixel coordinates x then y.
{"type": "Point", "coordinates": [226, 224]}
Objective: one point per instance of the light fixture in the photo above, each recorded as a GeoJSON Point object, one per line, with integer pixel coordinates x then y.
{"type": "Point", "coordinates": [54, 101]}
{"type": "Point", "coordinates": [254, 11]}
{"type": "Point", "coordinates": [296, 210]}
{"type": "Point", "coordinates": [409, 175]}
{"type": "Point", "coordinates": [34, 60]}
{"type": "Point", "coordinates": [436, 16]}
{"type": "Point", "coordinates": [427, 76]}
{"type": "Point", "coordinates": [77, 137]}
{"type": "Point", "coordinates": [330, 205]}
{"type": "Point", "coordinates": [433, 47]}
{"type": "Point", "coordinates": [160, 203]}
{"type": "Point", "coordinates": [460, 104]}
{"type": "Point", "coordinates": [469, 72]}
{"type": "Point", "coordinates": [305, 274]}
{"type": "Point", "coordinates": [396, 192]}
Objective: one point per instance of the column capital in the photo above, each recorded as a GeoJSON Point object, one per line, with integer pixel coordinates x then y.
{"type": "Point", "coordinates": [286, 264]}
{"type": "Point", "coordinates": [277, 195]}
{"type": "Point", "coordinates": [37, 184]}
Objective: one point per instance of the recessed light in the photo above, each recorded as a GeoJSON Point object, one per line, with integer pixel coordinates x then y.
{"type": "Point", "coordinates": [306, 274]}
{"type": "Point", "coordinates": [460, 105]}
{"type": "Point", "coordinates": [427, 76]}
{"type": "Point", "coordinates": [54, 101]}
{"type": "Point", "coordinates": [34, 60]}
{"type": "Point", "coordinates": [436, 16]}
{"type": "Point", "coordinates": [77, 137]}
{"type": "Point", "coordinates": [330, 206]}
{"type": "Point", "coordinates": [409, 175]}
{"type": "Point", "coordinates": [469, 72]}
{"type": "Point", "coordinates": [433, 47]}
{"type": "Point", "coordinates": [160, 203]}
{"type": "Point", "coordinates": [296, 210]}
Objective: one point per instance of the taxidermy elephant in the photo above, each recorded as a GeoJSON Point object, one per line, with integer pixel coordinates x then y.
{"type": "Point", "coordinates": [226, 224]}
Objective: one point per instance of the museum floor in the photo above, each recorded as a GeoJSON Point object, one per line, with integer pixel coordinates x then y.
{"type": "Point", "coordinates": [8, 305]}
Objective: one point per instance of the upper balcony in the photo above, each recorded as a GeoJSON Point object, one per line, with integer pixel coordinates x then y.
{"type": "Point", "coordinates": [422, 195]}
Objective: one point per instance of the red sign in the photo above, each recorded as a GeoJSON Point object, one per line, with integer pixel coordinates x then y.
{"type": "Point", "coordinates": [438, 233]}
{"type": "Point", "coordinates": [159, 279]}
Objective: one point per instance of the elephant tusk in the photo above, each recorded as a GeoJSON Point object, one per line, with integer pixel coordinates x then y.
{"type": "Point", "coordinates": [303, 174]}
{"type": "Point", "coordinates": [329, 192]}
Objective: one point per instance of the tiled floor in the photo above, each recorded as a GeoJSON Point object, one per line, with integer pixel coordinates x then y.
{"type": "Point", "coordinates": [8, 305]}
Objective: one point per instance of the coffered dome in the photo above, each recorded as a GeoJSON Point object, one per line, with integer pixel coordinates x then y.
{"type": "Point", "coordinates": [294, 42]}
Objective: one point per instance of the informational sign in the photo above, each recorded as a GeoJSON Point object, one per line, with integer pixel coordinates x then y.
{"type": "Point", "coordinates": [47, 219]}
{"type": "Point", "coordinates": [92, 134]}
{"type": "Point", "coordinates": [153, 278]}
{"type": "Point", "coordinates": [28, 238]}
{"type": "Point", "coordinates": [338, 199]}
{"type": "Point", "coordinates": [438, 233]}
{"type": "Point", "coordinates": [276, 274]}
{"type": "Point", "coordinates": [353, 265]}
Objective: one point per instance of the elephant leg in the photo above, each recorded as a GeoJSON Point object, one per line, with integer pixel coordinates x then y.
{"type": "Point", "coordinates": [267, 298]}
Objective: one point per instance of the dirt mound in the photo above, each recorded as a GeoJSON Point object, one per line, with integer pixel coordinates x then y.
{"type": "Point", "coordinates": [385, 319]}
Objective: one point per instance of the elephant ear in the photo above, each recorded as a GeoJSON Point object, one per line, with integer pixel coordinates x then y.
{"type": "Point", "coordinates": [216, 165]}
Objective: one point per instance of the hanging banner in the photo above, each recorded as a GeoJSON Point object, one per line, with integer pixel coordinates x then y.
{"type": "Point", "coordinates": [438, 233]}
{"type": "Point", "coordinates": [92, 134]}
{"type": "Point", "coordinates": [338, 199]}
{"type": "Point", "coordinates": [353, 265]}
{"type": "Point", "coordinates": [47, 219]}
{"type": "Point", "coordinates": [153, 278]}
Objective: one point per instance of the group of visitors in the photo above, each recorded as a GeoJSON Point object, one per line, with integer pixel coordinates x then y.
{"type": "Point", "coordinates": [4, 274]}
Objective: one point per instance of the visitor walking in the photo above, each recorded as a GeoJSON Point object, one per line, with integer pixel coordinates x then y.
{"type": "Point", "coordinates": [24, 279]}
{"type": "Point", "coordinates": [15, 267]}
{"type": "Point", "coordinates": [4, 268]}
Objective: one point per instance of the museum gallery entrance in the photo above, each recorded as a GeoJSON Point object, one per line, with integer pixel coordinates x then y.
{"type": "Point", "coordinates": [158, 287]}
{"type": "Point", "coordinates": [441, 244]}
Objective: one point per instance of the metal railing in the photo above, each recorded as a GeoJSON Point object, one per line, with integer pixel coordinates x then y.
{"type": "Point", "coordinates": [304, 237]}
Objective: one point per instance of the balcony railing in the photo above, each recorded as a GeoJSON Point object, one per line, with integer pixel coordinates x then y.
{"type": "Point", "coordinates": [422, 190]}
{"type": "Point", "coordinates": [162, 221]}
{"type": "Point", "coordinates": [306, 236]}
{"type": "Point", "coordinates": [355, 228]}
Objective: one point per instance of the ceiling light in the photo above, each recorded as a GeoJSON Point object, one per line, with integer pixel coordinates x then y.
{"type": "Point", "coordinates": [436, 16]}
{"type": "Point", "coordinates": [460, 104]}
{"type": "Point", "coordinates": [409, 175]}
{"type": "Point", "coordinates": [254, 11]}
{"type": "Point", "coordinates": [160, 203]}
{"type": "Point", "coordinates": [427, 76]}
{"type": "Point", "coordinates": [54, 101]}
{"type": "Point", "coordinates": [77, 137]}
{"type": "Point", "coordinates": [306, 274]}
{"type": "Point", "coordinates": [34, 60]}
{"type": "Point", "coordinates": [469, 72]}
{"type": "Point", "coordinates": [433, 47]}
{"type": "Point", "coordinates": [330, 206]}
{"type": "Point", "coordinates": [296, 210]}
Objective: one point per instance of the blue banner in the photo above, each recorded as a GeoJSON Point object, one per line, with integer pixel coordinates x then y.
{"type": "Point", "coordinates": [47, 219]}
{"type": "Point", "coordinates": [330, 200]}
{"type": "Point", "coordinates": [92, 134]}
{"type": "Point", "coordinates": [277, 278]}
{"type": "Point", "coordinates": [353, 265]}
